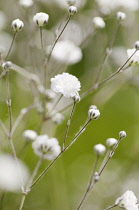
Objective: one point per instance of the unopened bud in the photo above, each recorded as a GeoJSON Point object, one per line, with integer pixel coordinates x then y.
{"type": "Point", "coordinates": [72, 10]}
{"type": "Point", "coordinates": [41, 19]}
{"type": "Point", "coordinates": [93, 114]}
{"type": "Point", "coordinates": [30, 135]}
{"type": "Point", "coordinates": [17, 25]}
{"type": "Point", "coordinates": [137, 45]}
{"type": "Point", "coordinates": [99, 149]}
{"type": "Point", "coordinates": [6, 65]}
{"type": "Point", "coordinates": [110, 142]}
{"type": "Point", "coordinates": [122, 134]}
{"type": "Point", "coordinates": [120, 16]}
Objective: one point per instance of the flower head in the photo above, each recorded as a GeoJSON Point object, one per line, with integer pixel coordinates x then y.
{"type": "Point", "coordinates": [66, 52]}
{"type": "Point", "coordinates": [26, 3]}
{"type": "Point", "coordinates": [98, 22]}
{"type": "Point", "coordinates": [110, 142]}
{"type": "Point", "coordinates": [135, 58]}
{"type": "Point", "coordinates": [120, 15]}
{"type": "Point", "coordinates": [99, 149]}
{"type": "Point", "coordinates": [41, 19]}
{"type": "Point", "coordinates": [66, 84]}
{"type": "Point", "coordinates": [30, 135]}
{"type": "Point", "coordinates": [17, 25]}
{"type": "Point", "coordinates": [46, 147]}
{"type": "Point", "coordinates": [127, 201]}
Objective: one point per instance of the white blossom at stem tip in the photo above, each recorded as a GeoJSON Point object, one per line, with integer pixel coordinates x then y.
{"type": "Point", "coordinates": [41, 19]}
{"type": "Point", "coordinates": [17, 25]}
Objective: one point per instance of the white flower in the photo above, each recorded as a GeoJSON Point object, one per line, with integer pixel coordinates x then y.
{"type": "Point", "coordinates": [26, 3]}
{"type": "Point", "coordinates": [110, 142]}
{"type": "Point", "coordinates": [99, 149]}
{"type": "Point", "coordinates": [113, 4]}
{"type": "Point", "coordinates": [66, 84]}
{"type": "Point", "coordinates": [9, 174]}
{"type": "Point", "coordinates": [17, 25]}
{"type": "Point", "coordinates": [66, 52]}
{"type": "Point", "coordinates": [46, 147]}
{"type": "Point", "coordinates": [72, 10]}
{"type": "Point", "coordinates": [30, 135]}
{"type": "Point", "coordinates": [6, 65]}
{"type": "Point", "coordinates": [93, 112]}
{"type": "Point", "coordinates": [98, 22]}
{"type": "Point", "coordinates": [135, 58]}
{"type": "Point", "coordinates": [120, 15]}
{"type": "Point", "coordinates": [127, 201]}
{"type": "Point", "coordinates": [58, 118]}
{"type": "Point", "coordinates": [41, 19]}
{"type": "Point", "coordinates": [71, 2]}
{"type": "Point", "coordinates": [122, 134]}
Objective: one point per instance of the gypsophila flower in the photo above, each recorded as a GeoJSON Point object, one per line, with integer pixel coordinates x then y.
{"type": "Point", "coordinates": [45, 147]}
{"type": "Point", "coordinates": [41, 19]}
{"type": "Point", "coordinates": [66, 84]}
{"type": "Point", "coordinates": [135, 58]}
{"type": "Point", "coordinates": [17, 25]}
{"type": "Point", "coordinates": [9, 176]}
{"type": "Point", "coordinates": [6, 65]}
{"type": "Point", "coordinates": [58, 118]}
{"type": "Point", "coordinates": [122, 134]}
{"type": "Point", "coordinates": [99, 149]}
{"type": "Point", "coordinates": [66, 52]}
{"type": "Point", "coordinates": [110, 142]}
{"type": "Point", "coordinates": [98, 22]}
{"type": "Point", "coordinates": [76, 97]}
{"type": "Point", "coordinates": [93, 112]}
{"type": "Point", "coordinates": [30, 135]}
{"type": "Point", "coordinates": [120, 15]}
{"type": "Point", "coordinates": [26, 3]}
{"type": "Point", "coordinates": [127, 201]}
{"type": "Point", "coordinates": [72, 10]}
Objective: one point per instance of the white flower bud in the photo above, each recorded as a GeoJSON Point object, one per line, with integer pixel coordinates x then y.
{"type": "Point", "coordinates": [50, 95]}
{"type": "Point", "coordinates": [99, 149]}
{"type": "Point", "coordinates": [72, 10]}
{"type": "Point", "coordinates": [122, 134]}
{"type": "Point", "coordinates": [58, 118]}
{"type": "Point", "coordinates": [137, 45]}
{"type": "Point", "coordinates": [30, 135]}
{"type": "Point", "coordinates": [120, 16]}
{"type": "Point", "coordinates": [98, 22]}
{"type": "Point", "coordinates": [71, 2]}
{"type": "Point", "coordinates": [96, 177]}
{"type": "Point", "coordinates": [41, 19]}
{"type": "Point", "coordinates": [110, 142]}
{"type": "Point", "coordinates": [76, 97]}
{"type": "Point", "coordinates": [6, 65]}
{"type": "Point", "coordinates": [26, 3]}
{"type": "Point", "coordinates": [93, 114]}
{"type": "Point", "coordinates": [17, 25]}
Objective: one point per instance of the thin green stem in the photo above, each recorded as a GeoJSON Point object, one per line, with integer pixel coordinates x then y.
{"type": "Point", "coordinates": [9, 102]}
{"type": "Point", "coordinates": [66, 148]}
{"type": "Point", "coordinates": [22, 201]}
{"type": "Point", "coordinates": [11, 45]}
{"type": "Point", "coordinates": [88, 189]}
{"type": "Point", "coordinates": [68, 125]}
{"type": "Point", "coordinates": [110, 207]}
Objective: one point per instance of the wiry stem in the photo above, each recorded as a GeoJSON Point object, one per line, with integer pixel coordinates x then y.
{"type": "Point", "coordinates": [66, 148]}
{"type": "Point", "coordinates": [11, 45]}
{"type": "Point", "coordinates": [110, 207]}
{"type": "Point", "coordinates": [107, 53]}
{"type": "Point", "coordinates": [89, 185]}
{"type": "Point", "coordinates": [68, 125]}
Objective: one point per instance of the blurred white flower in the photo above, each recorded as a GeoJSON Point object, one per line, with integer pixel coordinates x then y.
{"type": "Point", "coordinates": [120, 15]}
{"type": "Point", "coordinates": [135, 58]}
{"type": "Point", "coordinates": [66, 52]}
{"type": "Point", "coordinates": [66, 84]}
{"type": "Point", "coordinates": [26, 3]}
{"type": "Point", "coordinates": [127, 201]}
{"type": "Point", "coordinates": [30, 135]}
{"type": "Point", "coordinates": [99, 149]}
{"type": "Point", "coordinates": [17, 25]}
{"type": "Point", "coordinates": [98, 22]}
{"type": "Point", "coordinates": [46, 147]}
{"type": "Point", "coordinates": [3, 20]}
{"type": "Point", "coordinates": [110, 142]}
{"type": "Point", "coordinates": [64, 4]}
{"type": "Point", "coordinates": [9, 174]}
{"type": "Point", "coordinates": [41, 19]}
{"type": "Point", "coordinates": [114, 4]}
{"type": "Point", "coordinates": [58, 118]}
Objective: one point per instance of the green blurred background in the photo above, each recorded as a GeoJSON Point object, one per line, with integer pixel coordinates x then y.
{"type": "Point", "coordinates": [118, 101]}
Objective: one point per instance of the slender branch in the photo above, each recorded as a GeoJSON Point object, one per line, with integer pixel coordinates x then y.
{"type": "Point", "coordinates": [41, 38]}
{"type": "Point", "coordinates": [4, 128]}
{"type": "Point", "coordinates": [88, 189]}
{"type": "Point", "coordinates": [11, 45]}
{"type": "Point", "coordinates": [22, 201]}
{"type": "Point", "coordinates": [68, 125]}
{"type": "Point", "coordinates": [66, 148]}
{"type": "Point", "coordinates": [110, 207]}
